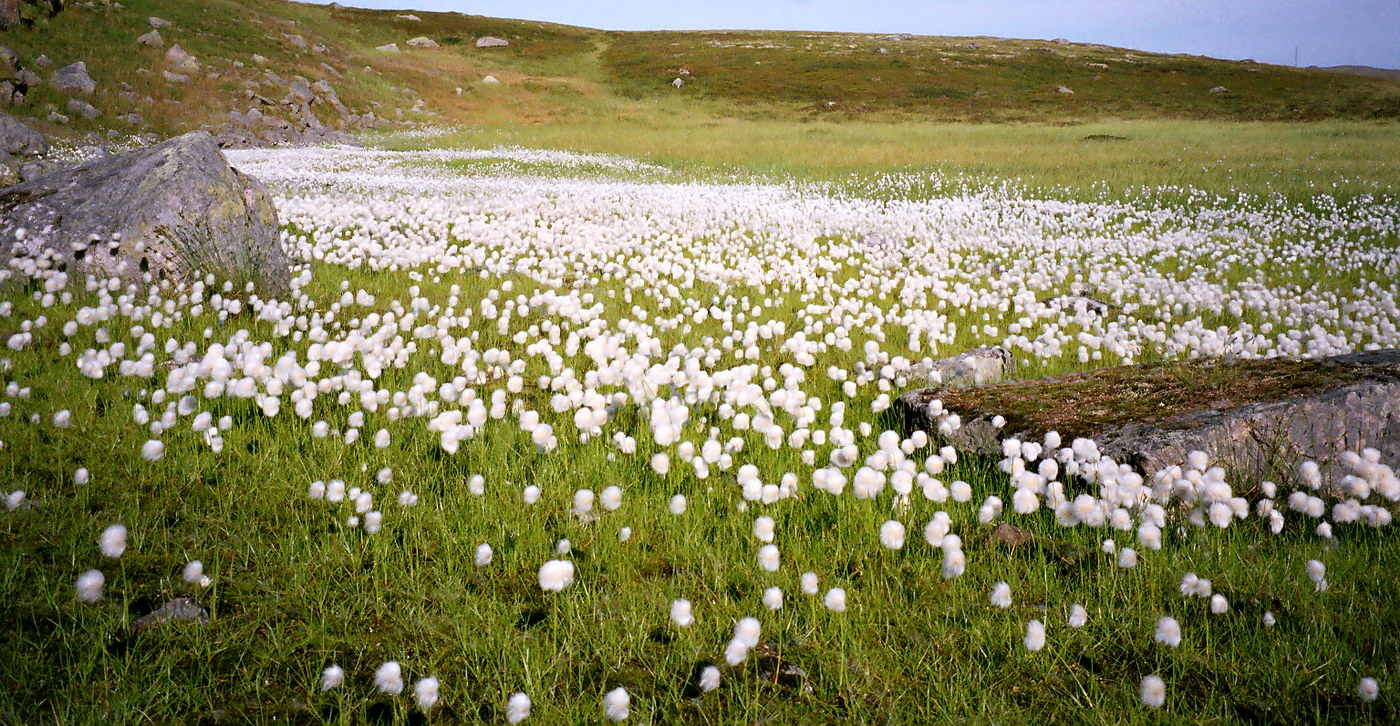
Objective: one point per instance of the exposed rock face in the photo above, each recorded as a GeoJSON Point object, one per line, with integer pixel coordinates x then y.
{"type": "Point", "coordinates": [18, 139]}
{"type": "Point", "coordinates": [74, 78]}
{"type": "Point", "coordinates": [491, 42]}
{"type": "Point", "coordinates": [977, 367]}
{"type": "Point", "coordinates": [178, 207]}
{"type": "Point", "coordinates": [1258, 418]}
{"type": "Point", "coordinates": [422, 41]}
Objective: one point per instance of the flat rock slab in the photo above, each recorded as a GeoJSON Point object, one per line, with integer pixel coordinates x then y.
{"type": "Point", "coordinates": [976, 367]}
{"type": "Point", "coordinates": [1259, 418]}
{"type": "Point", "coordinates": [179, 208]}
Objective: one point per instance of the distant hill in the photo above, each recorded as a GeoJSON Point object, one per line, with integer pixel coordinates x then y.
{"type": "Point", "coordinates": [1372, 71]}
{"type": "Point", "coordinates": [250, 53]}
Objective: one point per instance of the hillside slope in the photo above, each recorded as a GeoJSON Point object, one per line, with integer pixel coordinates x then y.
{"type": "Point", "coordinates": [252, 57]}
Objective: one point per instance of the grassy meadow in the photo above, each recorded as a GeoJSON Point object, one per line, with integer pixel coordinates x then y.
{"type": "Point", "coordinates": [1302, 167]}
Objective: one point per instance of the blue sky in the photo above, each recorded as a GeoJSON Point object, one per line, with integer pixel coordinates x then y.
{"type": "Point", "coordinates": [1325, 32]}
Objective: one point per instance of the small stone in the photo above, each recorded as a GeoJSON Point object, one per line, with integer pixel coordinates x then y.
{"type": "Point", "coordinates": [1219, 90]}
{"type": "Point", "coordinates": [411, 18]}
{"type": "Point", "coordinates": [296, 40]}
{"type": "Point", "coordinates": [157, 22]}
{"type": "Point", "coordinates": [181, 608]}
{"type": "Point", "coordinates": [1065, 89]}
{"type": "Point", "coordinates": [83, 108]}
{"type": "Point", "coordinates": [175, 77]}
{"type": "Point", "coordinates": [259, 59]}
{"type": "Point", "coordinates": [490, 80]}
{"type": "Point", "coordinates": [152, 39]}
{"type": "Point", "coordinates": [389, 48]}
{"type": "Point", "coordinates": [422, 41]}
{"type": "Point", "coordinates": [491, 42]}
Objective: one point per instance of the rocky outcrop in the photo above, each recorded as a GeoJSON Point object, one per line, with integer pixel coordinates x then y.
{"type": "Point", "coordinates": [173, 210]}
{"type": "Point", "coordinates": [1259, 418]}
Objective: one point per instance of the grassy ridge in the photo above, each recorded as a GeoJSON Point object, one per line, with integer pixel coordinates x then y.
{"type": "Point", "coordinates": [560, 74]}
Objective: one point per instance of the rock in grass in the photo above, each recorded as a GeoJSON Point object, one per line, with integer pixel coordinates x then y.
{"type": "Point", "coordinates": [157, 22]}
{"type": "Point", "coordinates": [151, 39]}
{"type": "Point", "coordinates": [422, 41]}
{"type": "Point", "coordinates": [388, 48]}
{"type": "Point", "coordinates": [180, 209]}
{"type": "Point", "coordinates": [181, 608]}
{"type": "Point", "coordinates": [1219, 90]}
{"type": "Point", "coordinates": [1258, 418]}
{"type": "Point", "coordinates": [175, 77]}
{"type": "Point", "coordinates": [17, 138]}
{"type": "Point", "coordinates": [1065, 89]}
{"type": "Point", "coordinates": [74, 78]}
{"type": "Point", "coordinates": [977, 367]}
{"type": "Point", "coordinates": [491, 42]}
{"type": "Point", "coordinates": [1077, 303]}
{"type": "Point", "coordinates": [83, 108]}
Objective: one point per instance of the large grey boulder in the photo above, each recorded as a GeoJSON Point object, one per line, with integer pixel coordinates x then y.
{"type": "Point", "coordinates": [1258, 418]}
{"type": "Point", "coordinates": [18, 139]}
{"type": "Point", "coordinates": [74, 78]}
{"type": "Point", "coordinates": [491, 42]}
{"type": "Point", "coordinates": [179, 211]}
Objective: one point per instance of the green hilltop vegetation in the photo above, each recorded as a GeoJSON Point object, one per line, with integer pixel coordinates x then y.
{"type": "Point", "coordinates": [556, 71]}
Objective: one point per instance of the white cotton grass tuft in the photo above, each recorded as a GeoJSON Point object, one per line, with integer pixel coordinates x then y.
{"type": "Point", "coordinates": [332, 676]}
{"type": "Point", "coordinates": [1035, 635]}
{"type": "Point", "coordinates": [1269, 619]}
{"type": "Point", "coordinates": [1317, 572]}
{"type": "Point", "coordinates": [113, 541]}
{"type": "Point", "coordinates": [810, 583]}
{"type": "Point", "coordinates": [748, 631]}
{"type": "Point", "coordinates": [1078, 616]}
{"type": "Point", "coordinates": [1218, 604]}
{"type": "Point", "coordinates": [736, 652]}
{"type": "Point", "coordinates": [555, 575]}
{"type": "Point", "coordinates": [153, 450]}
{"type": "Point", "coordinates": [678, 504]}
{"type": "Point", "coordinates": [709, 679]}
{"type": "Point", "coordinates": [617, 704]}
{"type": "Point", "coordinates": [763, 529]}
{"type": "Point", "coordinates": [388, 678]}
{"type": "Point", "coordinates": [681, 613]}
{"type": "Point", "coordinates": [1001, 595]}
{"type": "Point", "coordinates": [89, 586]}
{"type": "Point", "coordinates": [1168, 631]}
{"type": "Point", "coordinates": [769, 558]}
{"type": "Point", "coordinates": [407, 498]}
{"type": "Point", "coordinates": [773, 598]}
{"type": "Point", "coordinates": [1368, 689]}
{"type": "Point", "coordinates": [1152, 691]}
{"type": "Point", "coordinates": [835, 600]}
{"type": "Point", "coordinates": [194, 574]}
{"type": "Point", "coordinates": [484, 554]}
{"type": "Point", "coordinates": [14, 499]}
{"type": "Point", "coordinates": [892, 535]}
{"type": "Point", "coordinates": [425, 692]}
{"type": "Point", "coordinates": [611, 498]}
{"type": "Point", "coordinates": [624, 534]}
{"type": "Point", "coordinates": [517, 708]}
{"type": "Point", "coordinates": [81, 476]}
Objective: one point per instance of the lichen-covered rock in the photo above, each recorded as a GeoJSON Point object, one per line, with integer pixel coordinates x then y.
{"type": "Point", "coordinates": [83, 108]}
{"type": "Point", "coordinates": [18, 139]}
{"type": "Point", "coordinates": [151, 39]}
{"type": "Point", "coordinates": [178, 210]}
{"type": "Point", "coordinates": [1257, 418]}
